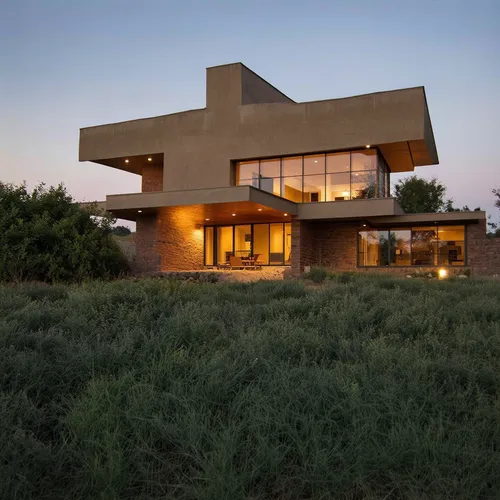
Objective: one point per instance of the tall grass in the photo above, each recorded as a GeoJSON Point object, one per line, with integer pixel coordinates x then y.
{"type": "Point", "coordinates": [374, 388]}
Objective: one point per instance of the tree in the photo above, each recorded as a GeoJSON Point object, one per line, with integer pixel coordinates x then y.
{"type": "Point", "coordinates": [416, 195]}
{"type": "Point", "coordinates": [496, 192]}
{"type": "Point", "coordinates": [120, 231]}
{"type": "Point", "coordinates": [46, 236]}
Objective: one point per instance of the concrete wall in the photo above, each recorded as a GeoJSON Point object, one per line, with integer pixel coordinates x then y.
{"type": "Point", "coordinates": [199, 145]}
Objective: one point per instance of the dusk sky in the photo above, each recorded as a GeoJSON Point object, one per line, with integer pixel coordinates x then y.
{"type": "Point", "coordinates": [69, 64]}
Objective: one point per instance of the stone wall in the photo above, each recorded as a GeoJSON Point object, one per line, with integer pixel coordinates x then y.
{"type": "Point", "coordinates": [147, 259]}
{"type": "Point", "coordinates": [492, 255]}
{"type": "Point", "coordinates": [152, 178]}
{"type": "Point", "coordinates": [302, 247]}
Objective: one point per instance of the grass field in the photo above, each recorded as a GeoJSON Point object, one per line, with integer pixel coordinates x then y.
{"type": "Point", "coordinates": [375, 388]}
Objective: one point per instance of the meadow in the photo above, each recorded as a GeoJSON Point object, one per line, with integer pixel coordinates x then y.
{"type": "Point", "coordinates": [360, 388]}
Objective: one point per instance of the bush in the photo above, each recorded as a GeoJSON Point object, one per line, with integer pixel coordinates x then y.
{"type": "Point", "coordinates": [149, 389]}
{"type": "Point", "coordinates": [45, 236]}
{"type": "Point", "coordinates": [318, 274]}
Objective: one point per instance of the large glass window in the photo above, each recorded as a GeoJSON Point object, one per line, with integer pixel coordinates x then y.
{"type": "Point", "coordinates": [291, 188]}
{"type": "Point", "coordinates": [261, 243]}
{"type": "Point", "coordinates": [224, 243]}
{"type": "Point", "coordinates": [338, 187]}
{"type": "Point", "coordinates": [400, 247]}
{"type": "Point", "coordinates": [319, 177]}
{"type": "Point", "coordinates": [276, 244]}
{"type": "Point", "coordinates": [269, 244]}
{"type": "Point", "coordinates": [314, 188]}
{"type": "Point", "coordinates": [373, 248]}
{"type": "Point", "coordinates": [209, 246]}
{"type": "Point", "coordinates": [243, 240]}
{"type": "Point", "coordinates": [451, 246]}
{"type": "Point", "coordinates": [418, 246]}
{"type": "Point", "coordinates": [424, 246]}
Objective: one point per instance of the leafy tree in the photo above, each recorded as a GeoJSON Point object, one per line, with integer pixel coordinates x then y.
{"type": "Point", "coordinates": [121, 231]}
{"type": "Point", "coordinates": [416, 195]}
{"type": "Point", "coordinates": [46, 236]}
{"type": "Point", "coordinates": [496, 192]}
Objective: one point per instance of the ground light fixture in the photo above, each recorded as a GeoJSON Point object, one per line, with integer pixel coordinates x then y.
{"type": "Point", "coordinates": [443, 273]}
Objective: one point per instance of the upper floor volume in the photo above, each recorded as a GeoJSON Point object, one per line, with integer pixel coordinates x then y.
{"type": "Point", "coordinates": [251, 133]}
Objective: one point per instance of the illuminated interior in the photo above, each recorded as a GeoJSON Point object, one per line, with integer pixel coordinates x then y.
{"type": "Point", "coordinates": [417, 246]}
{"type": "Point", "coordinates": [339, 176]}
{"type": "Point", "coordinates": [269, 244]}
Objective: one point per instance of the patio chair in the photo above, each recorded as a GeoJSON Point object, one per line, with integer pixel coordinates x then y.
{"type": "Point", "coordinates": [235, 262]}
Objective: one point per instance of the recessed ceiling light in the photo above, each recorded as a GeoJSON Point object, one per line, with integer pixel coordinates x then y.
{"type": "Point", "coordinates": [259, 209]}
{"type": "Point", "coordinates": [234, 215]}
{"type": "Point", "coordinates": [285, 215]}
{"type": "Point", "coordinates": [207, 219]}
{"type": "Point", "coordinates": [315, 161]}
{"type": "Point", "coordinates": [367, 145]}
{"type": "Point", "coordinates": [126, 161]}
{"type": "Point", "coordinates": [150, 159]}
{"type": "Point", "coordinates": [364, 225]}
{"type": "Point", "coordinates": [139, 211]}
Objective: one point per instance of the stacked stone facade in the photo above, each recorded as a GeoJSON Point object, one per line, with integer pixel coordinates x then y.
{"type": "Point", "coordinates": [152, 178]}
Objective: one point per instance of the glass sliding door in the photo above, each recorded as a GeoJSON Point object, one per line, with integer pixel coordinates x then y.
{"type": "Point", "coordinates": [209, 246]}
{"type": "Point", "coordinates": [224, 243]}
{"type": "Point", "coordinates": [276, 256]}
{"type": "Point", "coordinates": [243, 241]}
{"type": "Point", "coordinates": [261, 243]}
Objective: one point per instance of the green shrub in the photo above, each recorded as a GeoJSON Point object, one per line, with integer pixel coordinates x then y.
{"type": "Point", "coordinates": [43, 291]}
{"type": "Point", "coordinates": [152, 389]}
{"type": "Point", "coordinates": [45, 236]}
{"type": "Point", "coordinates": [318, 274]}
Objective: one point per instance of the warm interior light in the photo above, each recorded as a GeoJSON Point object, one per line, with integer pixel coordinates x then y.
{"type": "Point", "coordinates": [150, 159]}
{"type": "Point", "coordinates": [367, 145]}
{"type": "Point", "coordinates": [234, 215]}
{"type": "Point", "coordinates": [443, 273]}
{"type": "Point", "coordinates": [345, 193]}
{"type": "Point", "coordinates": [139, 211]}
{"type": "Point", "coordinates": [126, 161]}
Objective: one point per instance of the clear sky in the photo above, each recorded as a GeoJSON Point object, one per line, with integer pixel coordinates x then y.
{"type": "Point", "coordinates": [69, 64]}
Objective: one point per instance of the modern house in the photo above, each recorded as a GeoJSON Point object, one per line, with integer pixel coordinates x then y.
{"type": "Point", "coordinates": [255, 173]}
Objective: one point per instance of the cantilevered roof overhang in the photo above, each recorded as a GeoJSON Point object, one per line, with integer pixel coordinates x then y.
{"type": "Point", "coordinates": [218, 204]}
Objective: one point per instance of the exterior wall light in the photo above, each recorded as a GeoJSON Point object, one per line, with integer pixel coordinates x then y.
{"type": "Point", "coordinates": [443, 273]}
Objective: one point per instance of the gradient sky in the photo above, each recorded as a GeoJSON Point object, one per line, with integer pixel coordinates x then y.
{"type": "Point", "coordinates": [69, 64]}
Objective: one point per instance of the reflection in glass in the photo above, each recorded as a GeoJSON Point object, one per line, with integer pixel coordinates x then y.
{"type": "Point", "coordinates": [276, 244]}
{"type": "Point", "coordinates": [292, 166]}
{"type": "Point", "coordinates": [400, 241]}
{"type": "Point", "coordinates": [250, 182]}
{"type": "Point", "coordinates": [424, 246]}
{"type": "Point", "coordinates": [242, 240]}
{"type": "Point", "coordinates": [291, 188]}
{"type": "Point", "coordinates": [261, 243]}
{"type": "Point", "coordinates": [364, 185]}
{"type": "Point", "coordinates": [338, 162]}
{"type": "Point", "coordinates": [314, 188]}
{"type": "Point", "coordinates": [209, 246]}
{"type": "Point", "coordinates": [451, 246]}
{"type": "Point", "coordinates": [338, 187]}
{"type": "Point", "coordinates": [224, 243]}
{"type": "Point", "coordinates": [364, 160]}
{"type": "Point", "coordinates": [373, 248]}
{"type": "Point", "coordinates": [314, 164]}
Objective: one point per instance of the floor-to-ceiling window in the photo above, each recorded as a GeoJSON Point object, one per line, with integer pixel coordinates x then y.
{"type": "Point", "coordinates": [416, 246]}
{"type": "Point", "coordinates": [321, 177]}
{"type": "Point", "coordinates": [269, 244]}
